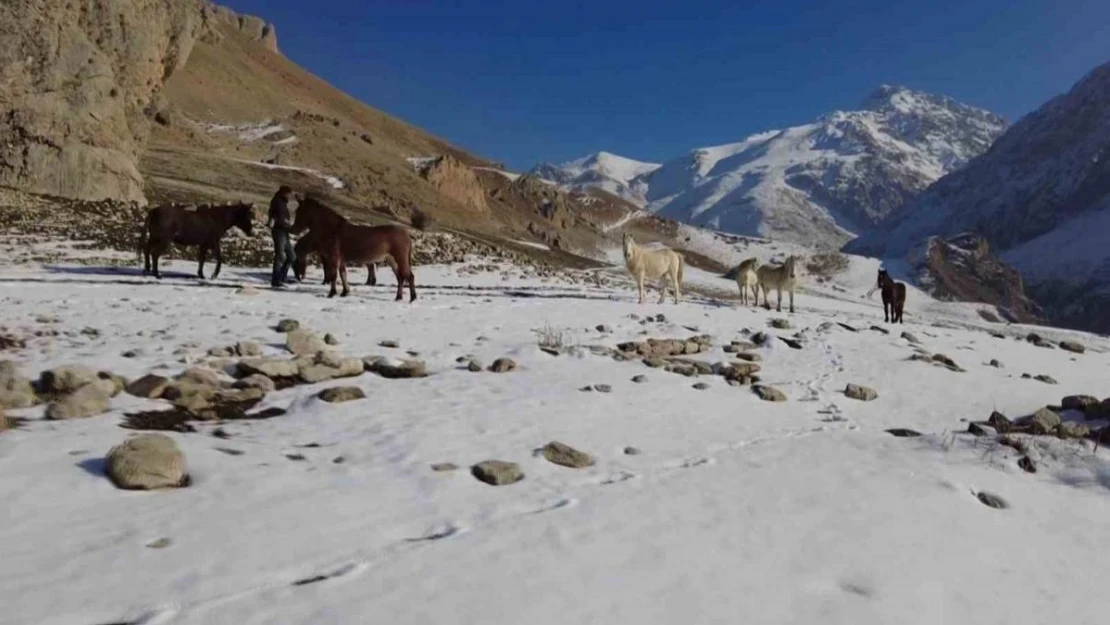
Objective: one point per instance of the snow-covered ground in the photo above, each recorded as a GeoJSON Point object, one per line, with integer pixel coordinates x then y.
{"type": "Point", "coordinates": [333, 181]}
{"type": "Point", "coordinates": [736, 510]}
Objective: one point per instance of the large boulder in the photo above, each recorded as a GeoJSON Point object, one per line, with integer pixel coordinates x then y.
{"type": "Point", "coordinates": [565, 455]}
{"type": "Point", "coordinates": [269, 367]}
{"type": "Point", "coordinates": [861, 393]}
{"type": "Point", "coordinates": [303, 342]}
{"type": "Point", "coordinates": [147, 462]}
{"type": "Point", "coordinates": [76, 82]}
{"type": "Point", "coordinates": [87, 401]}
{"type": "Point", "coordinates": [149, 386]}
{"type": "Point", "coordinates": [66, 379]}
{"type": "Point", "coordinates": [16, 391]}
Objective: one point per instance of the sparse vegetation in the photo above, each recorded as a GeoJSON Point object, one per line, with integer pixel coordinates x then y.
{"type": "Point", "coordinates": [826, 265]}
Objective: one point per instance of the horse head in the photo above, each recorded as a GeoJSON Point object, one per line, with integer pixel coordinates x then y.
{"type": "Point", "coordinates": [244, 217]}
{"type": "Point", "coordinates": [629, 244]}
{"type": "Point", "coordinates": [791, 269]}
{"type": "Point", "coordinates": [306, 208]}
{"type": "Point", "coordinates": [884, 277]}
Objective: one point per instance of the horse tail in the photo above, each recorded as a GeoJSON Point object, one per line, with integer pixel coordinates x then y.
{"type": "Point", "coordinates": [144, 236]}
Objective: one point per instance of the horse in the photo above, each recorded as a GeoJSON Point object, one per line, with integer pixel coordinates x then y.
{"type": "Point", "coordinates": [894, 297]}
{"type": "Point", "coordinates": [307, 245]}
{"type": "Point", "coordinates": [203, 226]}
{"type": "Point", "coordinates": [338, 240]}
{"type": "Point", "coordinates": [781, 278]}
{"type": "Point", "coordinates": [663, 264]}
{"type": "Point", "coordinates": [746, 278]}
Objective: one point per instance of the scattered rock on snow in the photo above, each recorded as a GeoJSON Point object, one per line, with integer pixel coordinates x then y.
{"type": "Point", "coordinates": [981, 429]}
{"type": "Point", "coordinates": [147, 462]}
{"type": "Point", "coordinates": [760, 338]}
{"type": "Point", "coordinates": [201, 377]}
{"type": "Point", "coordinates": [442, 467]}
{"type": "Point", "coordinates": [258, 381]}
{"type": "Point", "coordinates": [497, 472]}
{"type": "Point", "coordinates": [701, 386]}
{"type": "Point", "coordinates": [338, 394]}
{"type": "Point", "coordinates": [639, 379]}
{"type": "Point", "coordinates": [288, 325]}
{"type": "Point", "coordinates": [88, 401]}
{"type": "Point", "coordinates": [861, 393]}
{"type": "Point", "coordinates": [910, 337]}
{"type": "Point", "coordinates": [768, 393]}
{"type": "Point", "coordinates": [396, 370]}
{"type": "Point", "coordinates": [1047, 379]}
{"type": "Point", "coordinates": [1071, 429]}
{"type": "Point", "coordinates": [474, 366]}
{"type": "Point", "coordinates": [565, 455]}
{"type": "Point", "coordinates": [1000, 422]}
{"type": "Point", "coordinates": [632, 451]}
{"type": "Point", "coordinates": [780, 324]}
{"type": "Point", "coordinates": [503, 365]}
{"type": "Point", "coordinates": [149, 386]}
{"type": "Point", "coordinates": [304, 343]}
{"type": "Point", "coordinates": [390, 343]}
{"type": "Point", "coordinates": [748, 356]}
{"type": "Point", "coordinates": [1073, 346]}
{"type": "Point", "coordinates": [248, 349]}
{"type": "Point", "coordinates": [880, 329]}
{"type": "Point", "coordinates": [66, 379]}
{"type": "Point", "coordinates": [995, 363]}
{"type": "Point", "coordinates": [269, 367]}
{"type": "Point", "coordinates": [330, 339]}
{"type": "Point", "coordinates": [603, 388]}
{"type": "Point", "coordinates": [1078, 402]}
{"type": "Point", "coordinates": [16, 391]}
{"type": "Point", "coordinates": [903, 432]}
{"type": "Point", "coordinates": [1025, 463]}
{"type": "Point", "coordinates": [1044, 421]}
{"type": "Point", "coordinates": [992, 500]}
{"type": "Point", "coordinates": [117, 382]}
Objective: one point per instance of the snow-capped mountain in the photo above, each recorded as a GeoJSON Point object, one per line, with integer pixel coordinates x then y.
{"type": "Point", "coordinates": [618, 175]}
{"type": "Point", "coordinates": [825, 182]}
{"type": "Point", "coordinates": [1040, 195]}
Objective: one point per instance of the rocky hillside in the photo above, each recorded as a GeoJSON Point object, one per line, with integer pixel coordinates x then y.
{"type": "Point", "coordinates": [964, 269]}
{"type": "Point", "coordinates": [76, 84]}
{"type": "Point", "coordinates": [1040, 195]}
{"type": "Point", "coordinates": [152, 101]}
{"type": "Point", "coordinates": [822, 183]}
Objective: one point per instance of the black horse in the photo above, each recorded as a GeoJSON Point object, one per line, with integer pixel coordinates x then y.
{"type": "Point", "coordinates": [894, 297]}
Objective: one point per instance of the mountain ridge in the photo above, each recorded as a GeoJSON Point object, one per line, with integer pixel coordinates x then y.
{"type": "Point", "coordinates": [819, 183]}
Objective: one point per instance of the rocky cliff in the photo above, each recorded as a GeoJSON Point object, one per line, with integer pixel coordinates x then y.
{"type": "Point", "coordinates": [76, 84]}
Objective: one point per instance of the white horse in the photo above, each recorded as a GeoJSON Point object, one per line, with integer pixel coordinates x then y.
{"type": "Point", "coordinates": [779, 278]}
{"type": "Point", "coordinates": [663, 264]}
{"type": "Point", "coordinates": [746, 278]}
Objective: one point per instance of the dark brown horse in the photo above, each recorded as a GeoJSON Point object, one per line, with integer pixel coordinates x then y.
{"type": "Point", "coordinates": [339, 241]}
{"type": "Point", "coordinates": [307, 245]}
{"type": "Point", "coordinates": [894, 297]}
{"type": "Point", "coordinates": [202, 226]}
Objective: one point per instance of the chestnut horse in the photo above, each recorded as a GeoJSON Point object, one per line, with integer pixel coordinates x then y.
{"type": "Point", "coordinates": [307, 245]}
{"type": "Point", "coordinates": [894, 297]}
{"type": "Point", "coordinates": [203, 226]}
{"type": "Point", "coordinates": [339, 241]}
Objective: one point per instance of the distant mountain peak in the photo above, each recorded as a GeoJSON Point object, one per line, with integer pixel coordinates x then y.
{"type": "Point", "coordinates": [818, 183]}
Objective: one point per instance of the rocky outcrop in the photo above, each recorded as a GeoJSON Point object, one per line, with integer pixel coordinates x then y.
{"type": "Point", "coordinates": [249, 26]}
{"type": "Point", "coordinates": [76, 84]}
{"type": "Point", "coordinates": [455, 180]}
{"type": "Point", "coordinates": [963, 268]}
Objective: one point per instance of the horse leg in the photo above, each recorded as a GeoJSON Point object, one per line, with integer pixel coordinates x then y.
{"type": "Point", "coordinates": [146, 257]}
{"type": "Point", "coordinates": [778, 306]}
{"type": "Point", "coordinates": [219, 260]}
{"type": "Point", "coordinates": [791, 300]}
{"type": "Point", "coordinates": [755, 294]}
{"type": "Point", "coordinates": [371, 278]}
{"type": "Point", "coordinates": [343, 275]}
{"type": "Point", "coordinates": [886, 313]}
{"type": "Point", "coordinates": [201, 256]}
{"type": "Point", "coordinates": [640, 286]}
{"type": "Point", "coordinates": [677, 287]}
{"type": "Point", "coordinates": [663, 288]}
{"type": "Point", "coordinates": [157, 251]}
{"type": "Point", "coordinates": [766, 298]}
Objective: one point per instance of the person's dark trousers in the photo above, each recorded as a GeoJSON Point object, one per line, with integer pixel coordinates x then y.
{"type": "Point", "coordinates": [284, 256]}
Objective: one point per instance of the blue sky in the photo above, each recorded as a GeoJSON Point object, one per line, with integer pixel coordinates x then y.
{"type": "Point", "coordinates": [522, 81]}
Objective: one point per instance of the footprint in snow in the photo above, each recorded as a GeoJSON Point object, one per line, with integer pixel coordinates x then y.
{"type": "Point", "coordinates": [437, 533]}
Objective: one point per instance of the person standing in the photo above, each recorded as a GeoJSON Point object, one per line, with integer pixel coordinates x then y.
{"type": "Point", "coordinates": [281, 222]}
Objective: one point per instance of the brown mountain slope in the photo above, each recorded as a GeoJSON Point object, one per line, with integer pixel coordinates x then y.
{"type": "Point", "coordinates": [240, 118]}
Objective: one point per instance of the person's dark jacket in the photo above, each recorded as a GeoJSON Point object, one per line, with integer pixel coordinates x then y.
{"type": "Point", "coordinates": [279, 213]}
